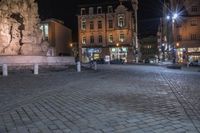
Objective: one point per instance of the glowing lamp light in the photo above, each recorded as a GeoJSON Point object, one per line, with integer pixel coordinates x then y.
{"type": "Point", "coordinates": [117, 44]}
{"type": "Point", "coordinates": [177, 44]}
{"type": "Point", "coordinates": [71, 45]}
{"type": "Point", "coordinates": [168, 17]}
{"type": "Point", "coordinates": [175, 16]}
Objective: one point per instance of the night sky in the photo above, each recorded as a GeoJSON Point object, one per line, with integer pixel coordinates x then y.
{"type": "Point", "coordinates": [149, 13]}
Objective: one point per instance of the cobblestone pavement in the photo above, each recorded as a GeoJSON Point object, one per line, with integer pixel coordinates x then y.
{"type": "Point", "coordinates": [114, 99]}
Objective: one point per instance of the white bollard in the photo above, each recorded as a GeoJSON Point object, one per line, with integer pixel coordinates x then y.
{"type": "Point", "coordinates": [137, 60]}
{"type": "Point", "coordinates": [36, 67]}
{"type": "Point", "coordinates": [188, 64]}
{"type": "Point", "coordinates": [95, 65]}
{"type": "Point", "coordinates": [78, 66]}
{"type": "Point", "coordinates": [5, 70]}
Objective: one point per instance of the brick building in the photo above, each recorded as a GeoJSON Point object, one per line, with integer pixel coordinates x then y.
{"type": "Point", "coordinates": [180, 29]}
{"type": "Point", "coordinates": [106, 30]}
{"type": "Point", "coordinates": [58, 36]}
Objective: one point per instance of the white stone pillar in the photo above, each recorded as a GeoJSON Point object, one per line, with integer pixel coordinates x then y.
{"type": "Point", "coordinates": [78, 66]}
{"type": "Point", "coordinates": [5, 70]}
{"type": "Point", "coordinates": [95, 65]}
{"type": "Point", "coordinates": [36, 67]}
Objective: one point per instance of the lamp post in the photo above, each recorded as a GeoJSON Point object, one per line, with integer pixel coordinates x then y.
{"type": "Point", "coordinates": [135, 29]}
{"type": "Point", "coordinates": [172, 19]}
{"type": "Point", "coordinates": [117, 50]}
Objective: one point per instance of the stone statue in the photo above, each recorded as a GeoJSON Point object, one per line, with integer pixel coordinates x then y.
{"type": "Point", "coordinates": [20, 33]}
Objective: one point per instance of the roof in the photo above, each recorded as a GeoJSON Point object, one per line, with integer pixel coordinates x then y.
{"type": "Point", "coordinates": [104, 5]}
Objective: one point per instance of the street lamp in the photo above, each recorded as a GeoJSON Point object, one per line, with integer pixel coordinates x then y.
{"type": "Point", "coordinates": [117, 44]}
{"type": "Point", "coordinates": [172, 18]}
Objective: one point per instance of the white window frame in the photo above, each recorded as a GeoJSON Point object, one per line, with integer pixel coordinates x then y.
{"type": "Point", "coordinates": [121, 20]}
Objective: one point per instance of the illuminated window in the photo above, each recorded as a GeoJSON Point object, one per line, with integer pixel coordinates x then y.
{"type": "Point", "coordinates": [99, 24]}
{"type": "Point", "coordinates": [121, 37]}
{"type": "Point", "coordinates": [99, 10]}
{"type": "Point", "coordinates": [91, 25]}
{"type": "Point", "coordinates": [83, 24]}
{"type": "Point", "coordinates": [121, 20]}
{"type": "Point", "coordinates": [110, 23]}
{"type": "Point", "coordinates": [110, 9]}
{"type": "Point", "coordinates": [91, 39]}
{"type": "Point", "coordinates": [110, 38]}
{"type": "Point", "coordinates": [45, 31]}
{"type": "Point", "coordinates": [83, 12]}
{"type": "Point", "coordinates": [83, 40]}
{"type": "Point", "coordinates": [100, 39]}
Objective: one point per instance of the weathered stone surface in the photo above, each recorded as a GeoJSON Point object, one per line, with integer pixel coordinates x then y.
{"type": "Point", "coordinates": [19, 28]}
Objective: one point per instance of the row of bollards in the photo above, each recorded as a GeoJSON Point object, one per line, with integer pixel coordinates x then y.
{"type": "Point", "coordinates": [36, 68]}
{"type": "Point", "coordinates": [5, 69]}
{"type": "Point", "coordinates": [93, 66]}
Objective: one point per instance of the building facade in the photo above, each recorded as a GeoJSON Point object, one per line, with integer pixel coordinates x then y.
{"type": "Point", "coordinates": [106, 31]}
{"type": "Point", "coordinates": [58, 36]}
{"type": "Point", "coordinates": [149, 48]}
{"type": "Point", "coordinates": [181, 30]}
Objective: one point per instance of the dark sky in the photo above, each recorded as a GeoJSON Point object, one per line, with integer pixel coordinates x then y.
{"type": "Point", "coordinates": [148, 14]}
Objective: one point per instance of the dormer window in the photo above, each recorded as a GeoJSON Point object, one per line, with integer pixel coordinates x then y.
{"type": "Point", "coordinates": [83, 11]}
{"type": "Point", "coordinates": [99, 10]}
{"type": "Point", "coordinates": [110, 9]}
{"type": "Point", "coordinates": [91, 10]}
{"type": "Point", "coordinates": [121, 20]}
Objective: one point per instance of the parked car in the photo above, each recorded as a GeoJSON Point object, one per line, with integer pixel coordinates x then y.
{"type": "Point", "coordinates": [195, 63]}
{"type": "Point", "coordinates": [149, 60]}
{"type": "Point", "coordinates": [117, 61]}
{"type": "Point", "coordinates": [100, 61]}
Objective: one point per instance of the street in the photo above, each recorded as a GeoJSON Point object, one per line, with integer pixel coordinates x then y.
{"type": "Point", "coordinates": [113, 99]}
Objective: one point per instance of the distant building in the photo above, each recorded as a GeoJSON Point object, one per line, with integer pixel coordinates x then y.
{"type": "Point", "coordinates": [58, 36]}
{"type": "Point", "coordinates": [149, 48]}
{"type": "Point", "coordinates": [180, 29]}
{"type": "Point", "coordinates": [107, 30]}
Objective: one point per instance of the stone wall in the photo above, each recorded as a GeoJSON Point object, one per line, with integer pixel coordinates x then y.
{"type": "Point", "coordinates": [19, 28]}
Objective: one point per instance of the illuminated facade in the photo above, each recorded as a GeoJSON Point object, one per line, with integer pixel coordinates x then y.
{"type": "Point", "coordinates": [106, 30]}
{"type": "Point", "coordinates": [58, 36]}
{"type": "Point", "coordinates": [187, 32]}
{"type": "Point", "coordinates": [180, 34]}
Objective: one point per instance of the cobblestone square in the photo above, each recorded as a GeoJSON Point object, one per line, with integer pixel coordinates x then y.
{"type": "Point", "coordinates": [113, 99]}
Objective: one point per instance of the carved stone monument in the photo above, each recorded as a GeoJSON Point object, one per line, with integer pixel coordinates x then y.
{"type": "Point", "coordinates": [20, 33]}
